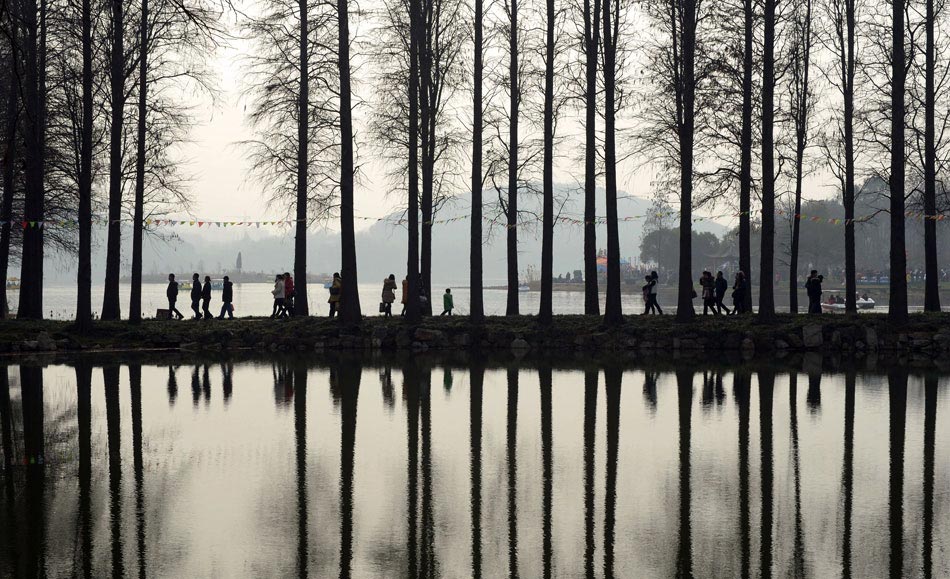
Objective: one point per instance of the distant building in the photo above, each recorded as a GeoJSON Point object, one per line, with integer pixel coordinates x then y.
{"type": "Point", "coordinates": [237, 264]}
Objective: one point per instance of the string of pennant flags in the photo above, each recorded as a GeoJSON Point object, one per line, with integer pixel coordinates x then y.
{"type": "Point", "coordinates": [203, 223]}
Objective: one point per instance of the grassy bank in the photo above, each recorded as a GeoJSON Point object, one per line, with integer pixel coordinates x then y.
{"type": "Point", "coordinates": [928, 333]}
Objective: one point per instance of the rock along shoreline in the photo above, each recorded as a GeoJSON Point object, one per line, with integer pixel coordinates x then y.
{"type": "Point", "coordinates": [926, 335]}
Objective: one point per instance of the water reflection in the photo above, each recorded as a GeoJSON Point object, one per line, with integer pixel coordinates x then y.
{"type": "Point", "coordinates": [613, 377]}
{"type": "Point", "coordinates": [847, 475]}
{"type": "Point", "coordinates": [684, 390]}
{"type": "Point", "coordinates": [110, 376]}
{"type": "Point", "coordinates": [651, 488]}
{"type": "Point", "coordinates": [897, 407]}
{"type": "Point", "coordinates": [84, 432]}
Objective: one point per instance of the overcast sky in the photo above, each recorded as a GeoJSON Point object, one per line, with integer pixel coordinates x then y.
{"type": "Point", "coordinates": [222, 189]}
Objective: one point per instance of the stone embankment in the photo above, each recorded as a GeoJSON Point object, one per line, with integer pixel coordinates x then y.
{"type": "Point", "coordinates": [926, 334]}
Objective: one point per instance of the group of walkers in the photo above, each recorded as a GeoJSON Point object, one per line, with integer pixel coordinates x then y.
{"type": "Point", "coordinates": [283, 293]}
{"type": "Point", "coordinates": [388, 297]}
{"type": "Point", "coordinates": [200, 298]}
{"type": "Point", "coordinates": [714, 289]}
{"type": "Point", "coordinates": [713, 293]}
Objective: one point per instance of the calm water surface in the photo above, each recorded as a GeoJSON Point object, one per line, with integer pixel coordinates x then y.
{"type": "Point", "coordinates": [362, 468]}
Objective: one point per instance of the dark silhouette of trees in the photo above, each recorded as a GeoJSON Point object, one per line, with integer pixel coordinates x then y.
{"type": "Point", "coordinates": [11, 114]}
{"type": "Point", "coordinates": [291, 72]}
{"type": "Point", "coordinates": [591, 44]}
{"type": "Point", "coordinates": [547, 226]}
{"type": "Point", "coordinates": [32, 43]}
{"type": "Point", "coordinates": [301, 307]}
{"type": "Point", "coordinates": [745, 152]}
{"type": "Point", "coordinates": [611, 32]}
{"type": "Point", "coordinates": [412, 299]}
{"type": "Point", "coordinates": [767, 257]}
{"type": "Point", "coordinates": [84, 274]}
{"type": "Point", "coordinates": [682, 66]}
{"type": "Point", "coordinates": [117, 78]}
{"type": "Point", "coordinates": [897, 302]}
{"type": "Point", "coordinates": [841, 41]}
{"type": "Point", "coordinates": [932, 287]}
{"type": "Point", "coordinates": [801, 97]}
{"type": "Point", "coordinates": [477, 305]}
{"type": "Point", "coordinates": [511, 208]}
{"type": "Point", "coordinates": [350, 313]}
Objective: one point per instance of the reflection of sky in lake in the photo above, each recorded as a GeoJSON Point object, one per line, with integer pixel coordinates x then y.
{"type": "Point", "coordinates": [272, 468]}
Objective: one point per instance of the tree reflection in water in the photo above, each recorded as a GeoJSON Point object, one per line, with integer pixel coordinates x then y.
{"type": "Point", "coordinates": [534, 522]}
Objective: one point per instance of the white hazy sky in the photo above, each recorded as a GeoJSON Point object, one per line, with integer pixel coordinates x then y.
{"type": "Point", "coordinates": [223, 190]}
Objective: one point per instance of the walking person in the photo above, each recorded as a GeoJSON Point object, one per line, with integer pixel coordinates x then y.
{"type": "Point", "coordinates": [389, 295]}
{"type": "Point", "coordinates": [335, 290]}
{"type": "Point", "coordinates": [739, 294]}
{"type": "Point", "coordinates": [721, 286]}
{"type": "Point", "coordinates": [196, 295]}
{"type": "Point", "coordinates": [813, 289]}
{"type": "Point", "coordinates": [653, 305]}
{"type": "Point", "coordinates": [405, 294]}
{"type": "Point", "coordinates": [172, 294]}
{"type": "Point", "coordinates": [227, 296]}
{"type": "Point", "coordinates": [206, 298]}
{"type": "Point", "coordinates": [278, 293]}
{"type": "Point", "coordinates": [289, 294]}
{"type": "Point", "coordinates": [447, 303]}
{"type": "Point", "coordinates": [708, 285]}
{"type": "Point", "coordinates": [646, 295]}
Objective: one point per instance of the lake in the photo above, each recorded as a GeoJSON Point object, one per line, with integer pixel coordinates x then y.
{"type": "Point", "coordinates": [369, 467]}
{"type": "Point", "coordinates": [255, 299]}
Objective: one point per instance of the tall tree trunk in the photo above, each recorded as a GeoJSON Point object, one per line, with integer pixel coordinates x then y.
{"type": "Point", "coordinates": [110, 299]}
{"type": "Point", "coordinates": [745, 152]}
{"type": "Point", "coordinates": [301, 306]}
{"type": "Point", "coordinates": [427, 107]}
{"type": "Point", "coordinates": [412, 266]}
{"type": "Point", "coordinates": [84, 275]}
{"type": "Point", "coordinates": [350, 309]}
{"type": "Point", "coordinates": [31, 262]}
{"type": "Point", "coordinates": [686, 97]}
{"type": "Point", "coordinates": [11, 119]}
{"type": "Point", "coordinates": [475, 261]}
{"type": "Point", "coordinates": [591, 44]}
{"type": "Point", "coordinates": [612, 310]}
{"type": "Point", "coordinates": [515, 101]}
{"type": "Point", "coordinates": [847, 76]}
{"type": "Point", "coordinates": [931, 270]}
{"type": "Point", "coordinates": [801, 141]}
{"type": "Point", "coordinates": [767, 264]}
{"type": "Point", "coordinates": [138, 216]}
{"type": "Point", "coordinates": [547, 227]}
{"type": "Point", "coordinates": [897, 305]}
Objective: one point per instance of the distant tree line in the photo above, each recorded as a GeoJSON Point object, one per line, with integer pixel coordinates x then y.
{"type": "Point", "coordinates": [730, 103]}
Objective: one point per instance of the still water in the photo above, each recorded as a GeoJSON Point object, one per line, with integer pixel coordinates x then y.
{"type": "Point", "coordinates": [364, 468]}
{"type": "Point", "coordinates": [255, 299]}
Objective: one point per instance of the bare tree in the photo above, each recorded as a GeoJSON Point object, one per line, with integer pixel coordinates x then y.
{"type": "Point", "coordinates": [767, 263]}
{"type": "Point", "coordinates": [841, 41]}
{"type": "Point", "coordinates": [802, 96]}
{"type": "Point", "coordinates": [351, 313]}
{"type": "Point", "coordinates": [174, 38]}
{"type": "Point", "coordinates": [441, 76]}
{"type": "Point", "coordinates": [613, 313]}
{"type": "Point", "coordinates": [11, 115]}
{"type": "Point", "coordinates": [118, 75]}
{"type": "Point", "coordinates": [291, 74]}
{"type": "Point", "coordinates": [477, 306]}
{"type": "Point", "coordinates": [32, 18]}
{"type": "Point", "coordinates": [412, 259]}
{"type": "Point", "coordinates": [547, 234]}
{"type": "Point", "coordinates": [682, 64]}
